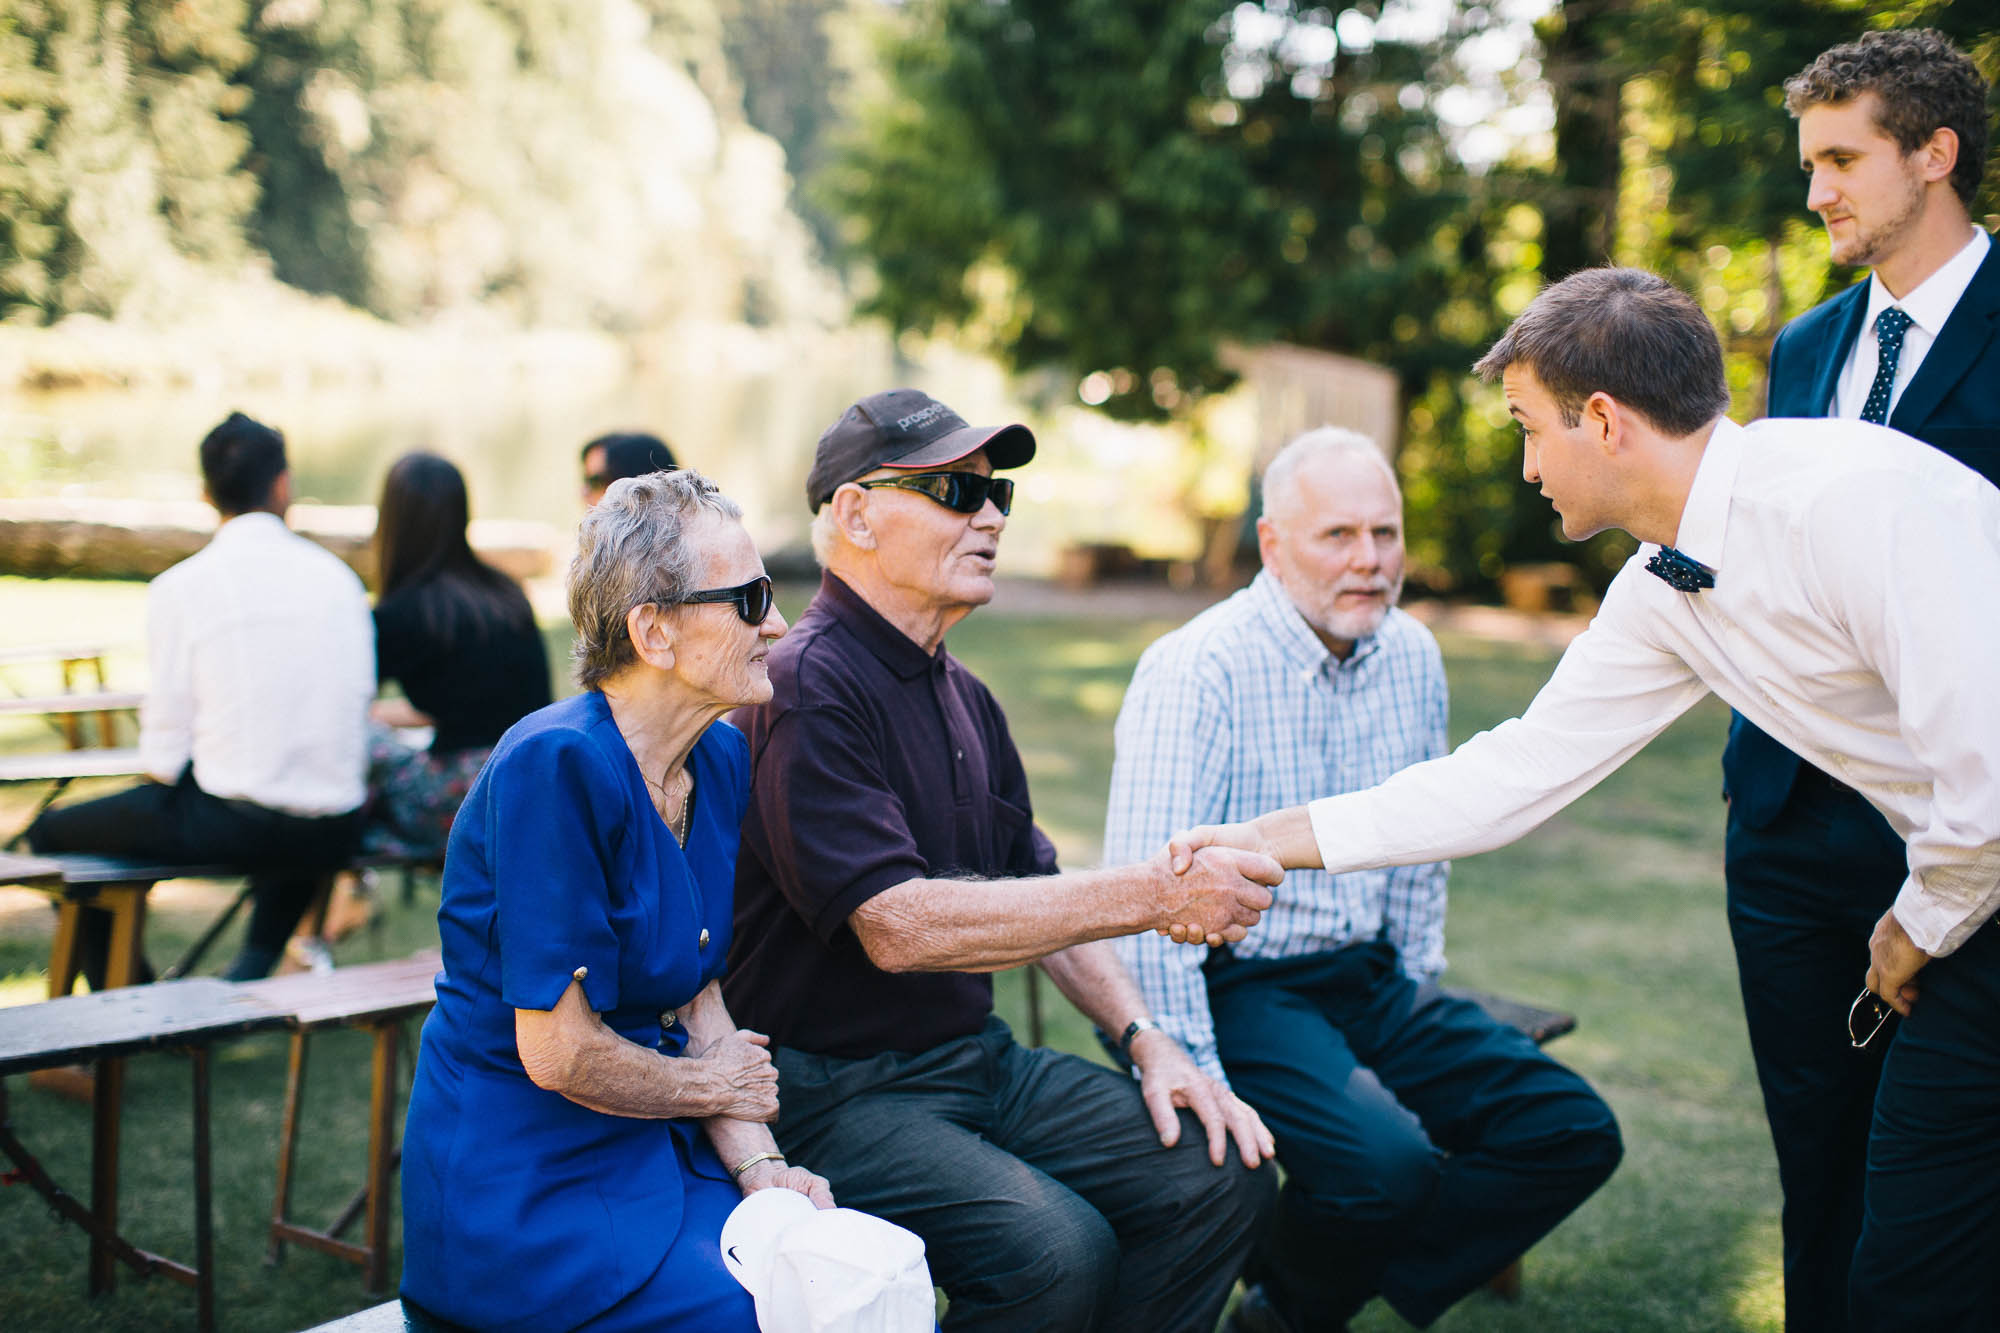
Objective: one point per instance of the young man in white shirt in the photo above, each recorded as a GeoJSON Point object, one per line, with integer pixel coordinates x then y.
{"type": "Point", "coordinates": [1839, 585]}
{"type": "Point", "coordinates": [262, 664]}
{"type": "Point", "coordinates": [1892, 135]}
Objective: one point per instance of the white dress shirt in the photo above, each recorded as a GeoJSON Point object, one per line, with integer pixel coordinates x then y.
{"type": "Point", "coordinates": [1855, 617]}
{"type": "Point", "coordinates": [262, 659]}
{"type": "Point", "coordinates": [1928, 305]}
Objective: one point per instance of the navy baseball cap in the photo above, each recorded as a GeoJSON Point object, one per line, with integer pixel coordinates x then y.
{"type": "Point", "coordinates": [905, 428]}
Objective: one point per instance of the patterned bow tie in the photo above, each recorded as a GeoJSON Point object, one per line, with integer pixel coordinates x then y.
{"type": "Point", "coordinates": [1681, 572]}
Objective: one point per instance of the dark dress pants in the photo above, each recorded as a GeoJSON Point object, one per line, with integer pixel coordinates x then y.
{"type": "Point", "coordinates": [1036, 1180]}
{"type": "Point", "coordinates": [1929, 1254]}
{"type": "Point", "coordinates": [182, 824]}
{"type": "Point", "coordinates": [1425, 1145]}
{"type": "Point", "coordinates": [1804, 895]}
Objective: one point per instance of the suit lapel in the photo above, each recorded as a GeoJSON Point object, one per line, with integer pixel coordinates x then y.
{"type": "Point", "coordinates": [1829, 361]}
{"type": "Point", "coordinates": [1973, 324]}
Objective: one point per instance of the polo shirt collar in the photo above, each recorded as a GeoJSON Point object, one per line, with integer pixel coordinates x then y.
{"type": "Point", "coordinates": [896, 650]}
{"type": "Point", "coordinates": [1705, 518]}
{"type": "Point", "coordinates": [1295, 639]}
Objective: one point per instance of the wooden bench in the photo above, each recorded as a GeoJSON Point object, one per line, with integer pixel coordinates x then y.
{"type": "Point", "coordinates": [104, 1029]}
{"type": "Point", "coordinates": [119, 885]}
{"type": "Point", "coordinates": [68, 711]}
{"type": "Point", "coordinates": [378, 998]}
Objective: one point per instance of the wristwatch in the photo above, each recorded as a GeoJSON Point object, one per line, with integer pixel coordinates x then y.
{"type": "Point", "coordinates": [1132, 1030]}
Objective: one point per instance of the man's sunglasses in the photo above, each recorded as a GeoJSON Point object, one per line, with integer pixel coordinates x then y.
{"type": "Point", "coordinates": [752, 599]}
{"type": "Point", "coordinates": [963, 492]}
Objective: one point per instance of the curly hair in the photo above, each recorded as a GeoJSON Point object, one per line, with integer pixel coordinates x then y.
{"type": "Point", "coordinates": [1923, 84]}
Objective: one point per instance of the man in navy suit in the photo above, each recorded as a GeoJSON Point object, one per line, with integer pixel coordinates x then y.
{"type": "Point", "coordinates": [1893, 133]}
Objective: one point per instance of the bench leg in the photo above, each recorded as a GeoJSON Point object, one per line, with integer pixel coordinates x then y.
{"type": "Point", "coordinates": [107, 1097]}
{"type": "Point", "coordinates": [63, 962]}
{"type": "Point", "coordinates": [288, 1145]}
{"type": "Point", "coordinates": [127, 904]}
{"type": "Point", "coordinates": [204, 1210]}
{"type": "Point", "coordinates": [381, 1167]}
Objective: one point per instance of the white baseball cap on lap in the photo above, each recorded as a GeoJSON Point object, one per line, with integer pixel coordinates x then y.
{"type": "Point", "coordinates": [832, 1270]}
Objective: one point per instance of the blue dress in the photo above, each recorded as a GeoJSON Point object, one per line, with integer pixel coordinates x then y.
{"type": "Point", "coordinates": [521, 1209]}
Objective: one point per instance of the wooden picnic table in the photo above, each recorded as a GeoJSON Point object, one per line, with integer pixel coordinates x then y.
{"type": "Point", "coordinates": [69, 710]}
{"type": "Point", "coordinates": [103, 1029]}
{"type": "Point", "coordinates": [66, 766]}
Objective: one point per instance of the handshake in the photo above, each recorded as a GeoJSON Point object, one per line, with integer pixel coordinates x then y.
{"type": "Point", "coordinates": [1217, 884]}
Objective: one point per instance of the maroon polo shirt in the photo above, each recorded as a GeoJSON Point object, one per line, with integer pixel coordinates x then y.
{"type": "Point", "coordinates": [873, 764]}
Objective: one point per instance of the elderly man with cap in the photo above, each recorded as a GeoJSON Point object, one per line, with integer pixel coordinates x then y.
{"type": "Point", "coordinates": [890, 861]}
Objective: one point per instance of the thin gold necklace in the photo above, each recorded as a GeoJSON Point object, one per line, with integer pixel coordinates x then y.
{"type": "Point", "coordinates": [679, 824]}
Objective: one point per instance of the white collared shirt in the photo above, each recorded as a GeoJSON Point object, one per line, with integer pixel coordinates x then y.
{"type": "Point", "coordinates": [1929, 305]}
{"type": "Point", "coordinates": [262, 658]}
{"type": "Point", "coordinates": [1855, 616]}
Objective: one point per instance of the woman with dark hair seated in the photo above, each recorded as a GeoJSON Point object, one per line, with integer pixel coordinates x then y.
{"type": "Point", "coordinates": [460, 638]}
{"type": "Point", "coordinates": [584, 1112]}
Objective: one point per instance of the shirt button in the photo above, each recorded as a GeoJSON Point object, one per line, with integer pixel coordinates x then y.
{"type": "Point", "coordinates": [958, 755]}
{"type": "Point", "coordinates": [703, 941]}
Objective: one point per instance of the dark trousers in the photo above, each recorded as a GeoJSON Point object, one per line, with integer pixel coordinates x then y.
{"type": "Point", "coordinates": [1036, 1180]}
{"type": "Point", "coordinates": [184, 825]}
{"type": "Point", "coordinates": [1929, 1254]}
{"type": "Point", "coordinates": [1804, 893]}
{"type": "Point", "coordinates": [1425, 1145]}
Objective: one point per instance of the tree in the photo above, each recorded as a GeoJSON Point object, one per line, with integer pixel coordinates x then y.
{"type": "Point", "coordinates": [120, 152]}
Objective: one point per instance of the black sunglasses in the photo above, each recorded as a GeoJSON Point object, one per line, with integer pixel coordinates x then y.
{"type": "Point", "coordinates": [963, 492]}
{"type": "Point", "coordinates": [752, 599]}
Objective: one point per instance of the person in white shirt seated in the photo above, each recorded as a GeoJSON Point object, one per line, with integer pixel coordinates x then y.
{"type": "Point", "coordinates": [253, 733]}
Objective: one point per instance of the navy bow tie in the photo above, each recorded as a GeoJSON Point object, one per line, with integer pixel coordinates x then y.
{"type": "Point", "coordinates": [1682, 573]}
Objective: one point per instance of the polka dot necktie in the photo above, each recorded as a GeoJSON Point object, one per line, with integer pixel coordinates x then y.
{"type": "Point", "coordinates": [1890, 326]}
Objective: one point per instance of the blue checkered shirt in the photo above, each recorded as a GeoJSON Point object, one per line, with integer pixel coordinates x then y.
{"type": "Point", "coordinates": [1241, 711]}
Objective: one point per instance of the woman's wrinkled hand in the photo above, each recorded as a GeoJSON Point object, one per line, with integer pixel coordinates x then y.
{"type": "Point", "coordinates": [780, 1176]}
{"type": "Point", "coordinates": [740, 1075]}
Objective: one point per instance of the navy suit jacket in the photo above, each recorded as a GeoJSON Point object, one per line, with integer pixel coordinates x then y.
{"type": "Point", "coordinates": [1952, 403]}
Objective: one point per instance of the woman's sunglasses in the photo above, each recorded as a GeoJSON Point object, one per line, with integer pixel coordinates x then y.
{"type": "Point", "coordinates": [752, 599]}
{"type": "Point", "coordinates": [963, 492]}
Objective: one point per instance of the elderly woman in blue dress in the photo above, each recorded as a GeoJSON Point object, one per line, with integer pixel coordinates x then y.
{"type": "Point", "coordinates": [584, 1113]}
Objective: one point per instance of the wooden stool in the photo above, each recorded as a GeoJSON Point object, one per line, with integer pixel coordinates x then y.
{"type": "Point", "coordinates": [378, 998]}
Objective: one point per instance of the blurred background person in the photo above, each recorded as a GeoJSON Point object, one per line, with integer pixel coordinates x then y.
{"type": "Point", "coordinates": [585, 1113]}
{"type": "Point", "coordinates": [614, 457]}
{"type": "Point", "coordinates": [261, 662]}
{"type": "Point", "coordinates": [460, 639]}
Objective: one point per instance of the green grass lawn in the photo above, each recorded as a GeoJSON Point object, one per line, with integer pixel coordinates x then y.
{"type": "Point", "coordinates": [1612, 911]}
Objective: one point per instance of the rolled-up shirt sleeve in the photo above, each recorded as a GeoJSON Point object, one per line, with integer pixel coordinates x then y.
{"type": "Point", "coordinates": [1413, 910]}
{"type": "Point", "coordinates": [1614, 690]}
{"type": "Point", "coordinates": [1171, 772]}
{"type": "Point", "coordinates": [1921, 634]}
